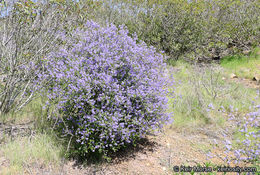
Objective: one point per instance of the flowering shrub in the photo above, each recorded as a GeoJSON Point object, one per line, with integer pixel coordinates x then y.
{"type": "Point", "coordinates": [108, 89]}
{"type": "Point", "coordinates": [244, 144]}
{"type": "Point", "coordinates": [247, 144]}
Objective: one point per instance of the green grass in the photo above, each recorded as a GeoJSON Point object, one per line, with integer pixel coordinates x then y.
{"type": "Point", "coordinates": [243, 66]}
{"type": "Point", "coordinates": [198, 88]}
{"type": "Point", "coordinates": [31, 112]}
{"type": "Point", "coordinates": [40, 150]}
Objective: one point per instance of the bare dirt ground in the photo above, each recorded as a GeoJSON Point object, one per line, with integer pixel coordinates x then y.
{"type": "Point", "coordinates": [250, 83]}
{"type": "Point", "coordinates": [247, 82]}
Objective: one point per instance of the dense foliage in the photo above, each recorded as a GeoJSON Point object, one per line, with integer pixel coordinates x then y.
{"type": "Point", "coordinates": [194, 30]}
{"type": "Point", "coordinates": [108, 90]}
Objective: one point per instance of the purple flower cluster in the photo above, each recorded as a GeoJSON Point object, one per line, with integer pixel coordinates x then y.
{"type": "Point", "coordinates": [249, 145]}
{"type": "Point", "coordinates": [109, 88]}
{"type": "Point", "coordinates": [246, 147]}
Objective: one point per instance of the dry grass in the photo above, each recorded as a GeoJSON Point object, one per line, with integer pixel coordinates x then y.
{"type": "Point", "coordinates": [24, 152]}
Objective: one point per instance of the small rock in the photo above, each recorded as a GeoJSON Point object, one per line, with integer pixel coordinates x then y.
{"type": "Point", "coordinates": [233, 75]}
{"type": "Point", "coordinates": [246, 52]}
{"type": "Point", "coordinates": [182, 153]}
{"type": "Point", "coordinates": [256, 78]}
{"type": "Point", "coordinates": [168, 145]}
{"type": "Point", "coordinates": [223, 78]}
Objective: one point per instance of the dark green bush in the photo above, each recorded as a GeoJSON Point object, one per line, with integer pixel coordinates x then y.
{"type": "Point", "coordinates": [201, 30]}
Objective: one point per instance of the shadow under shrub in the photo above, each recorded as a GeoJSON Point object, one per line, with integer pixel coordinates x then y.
{"type": "Point", "coordinates": [108, 91]}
